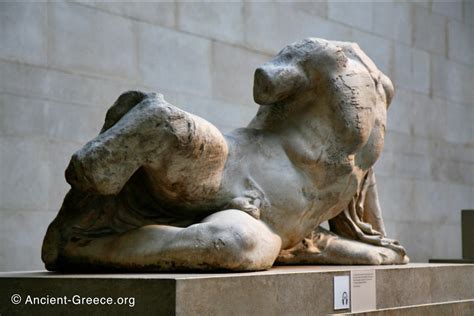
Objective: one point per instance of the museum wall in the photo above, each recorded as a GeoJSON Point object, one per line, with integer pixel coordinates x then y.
{"type": "Point", "coordinates": [63, 64]}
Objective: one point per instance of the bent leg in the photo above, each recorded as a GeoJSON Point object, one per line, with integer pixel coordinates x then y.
{"type": "Point", "coordinates": [228, 240]}
{"type": "Point", "coordinates": [182, 154]}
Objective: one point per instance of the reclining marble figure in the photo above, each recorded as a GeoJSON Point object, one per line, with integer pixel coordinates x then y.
{"type": "Point", "coordinates": [160, 189]}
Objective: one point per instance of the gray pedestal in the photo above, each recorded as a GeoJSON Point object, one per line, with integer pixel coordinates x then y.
{"type": "Point", "coordinates": [304, 290]}
{"type": "Point", "coordinates": [467, 228]}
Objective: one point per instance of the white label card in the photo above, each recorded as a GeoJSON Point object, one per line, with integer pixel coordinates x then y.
{"type": "Point", "coordinates": [363, 291]}
{"type": "Point", "coordinates": [342, 294]}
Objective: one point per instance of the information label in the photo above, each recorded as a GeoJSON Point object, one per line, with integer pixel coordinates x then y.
{"type": "Point", "coordinates": [363, 290]}
{"type": "Point", "coordinates": [342, 295]}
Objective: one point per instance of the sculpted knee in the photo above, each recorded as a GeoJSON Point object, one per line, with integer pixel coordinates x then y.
{"type": "Point", "coordinates": [241, 247]}
{"type": "Point", "coordinates": [234, 244]}
{"type": "Point", "coordinates": [159, 123]}
{"type": "Point", "coordinates": [235, 238]}
{"type": "Point", "coordinates": [177, 124]}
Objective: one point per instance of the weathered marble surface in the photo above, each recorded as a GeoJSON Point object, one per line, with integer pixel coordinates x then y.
{"type": "Point", "coordinates": [161, 189]}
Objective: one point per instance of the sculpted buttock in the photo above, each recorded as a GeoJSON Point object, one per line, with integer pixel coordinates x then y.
{"type": "Point", "coordinates": [161, 189]}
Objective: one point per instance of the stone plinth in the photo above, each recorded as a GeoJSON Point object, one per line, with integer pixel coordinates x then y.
{"type": "Point", "coordinates": [299, 290]}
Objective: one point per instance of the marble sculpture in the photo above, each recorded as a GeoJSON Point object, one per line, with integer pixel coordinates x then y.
{"type": "Point", "coordinates": [160, 189]}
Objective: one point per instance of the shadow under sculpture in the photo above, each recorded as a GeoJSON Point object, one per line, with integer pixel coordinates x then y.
{"type": "Point", "coordinates": [160, 189]}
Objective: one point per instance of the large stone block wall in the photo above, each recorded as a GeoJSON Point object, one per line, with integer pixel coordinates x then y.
{"type": "Point", "coordinates": [63, 64]}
